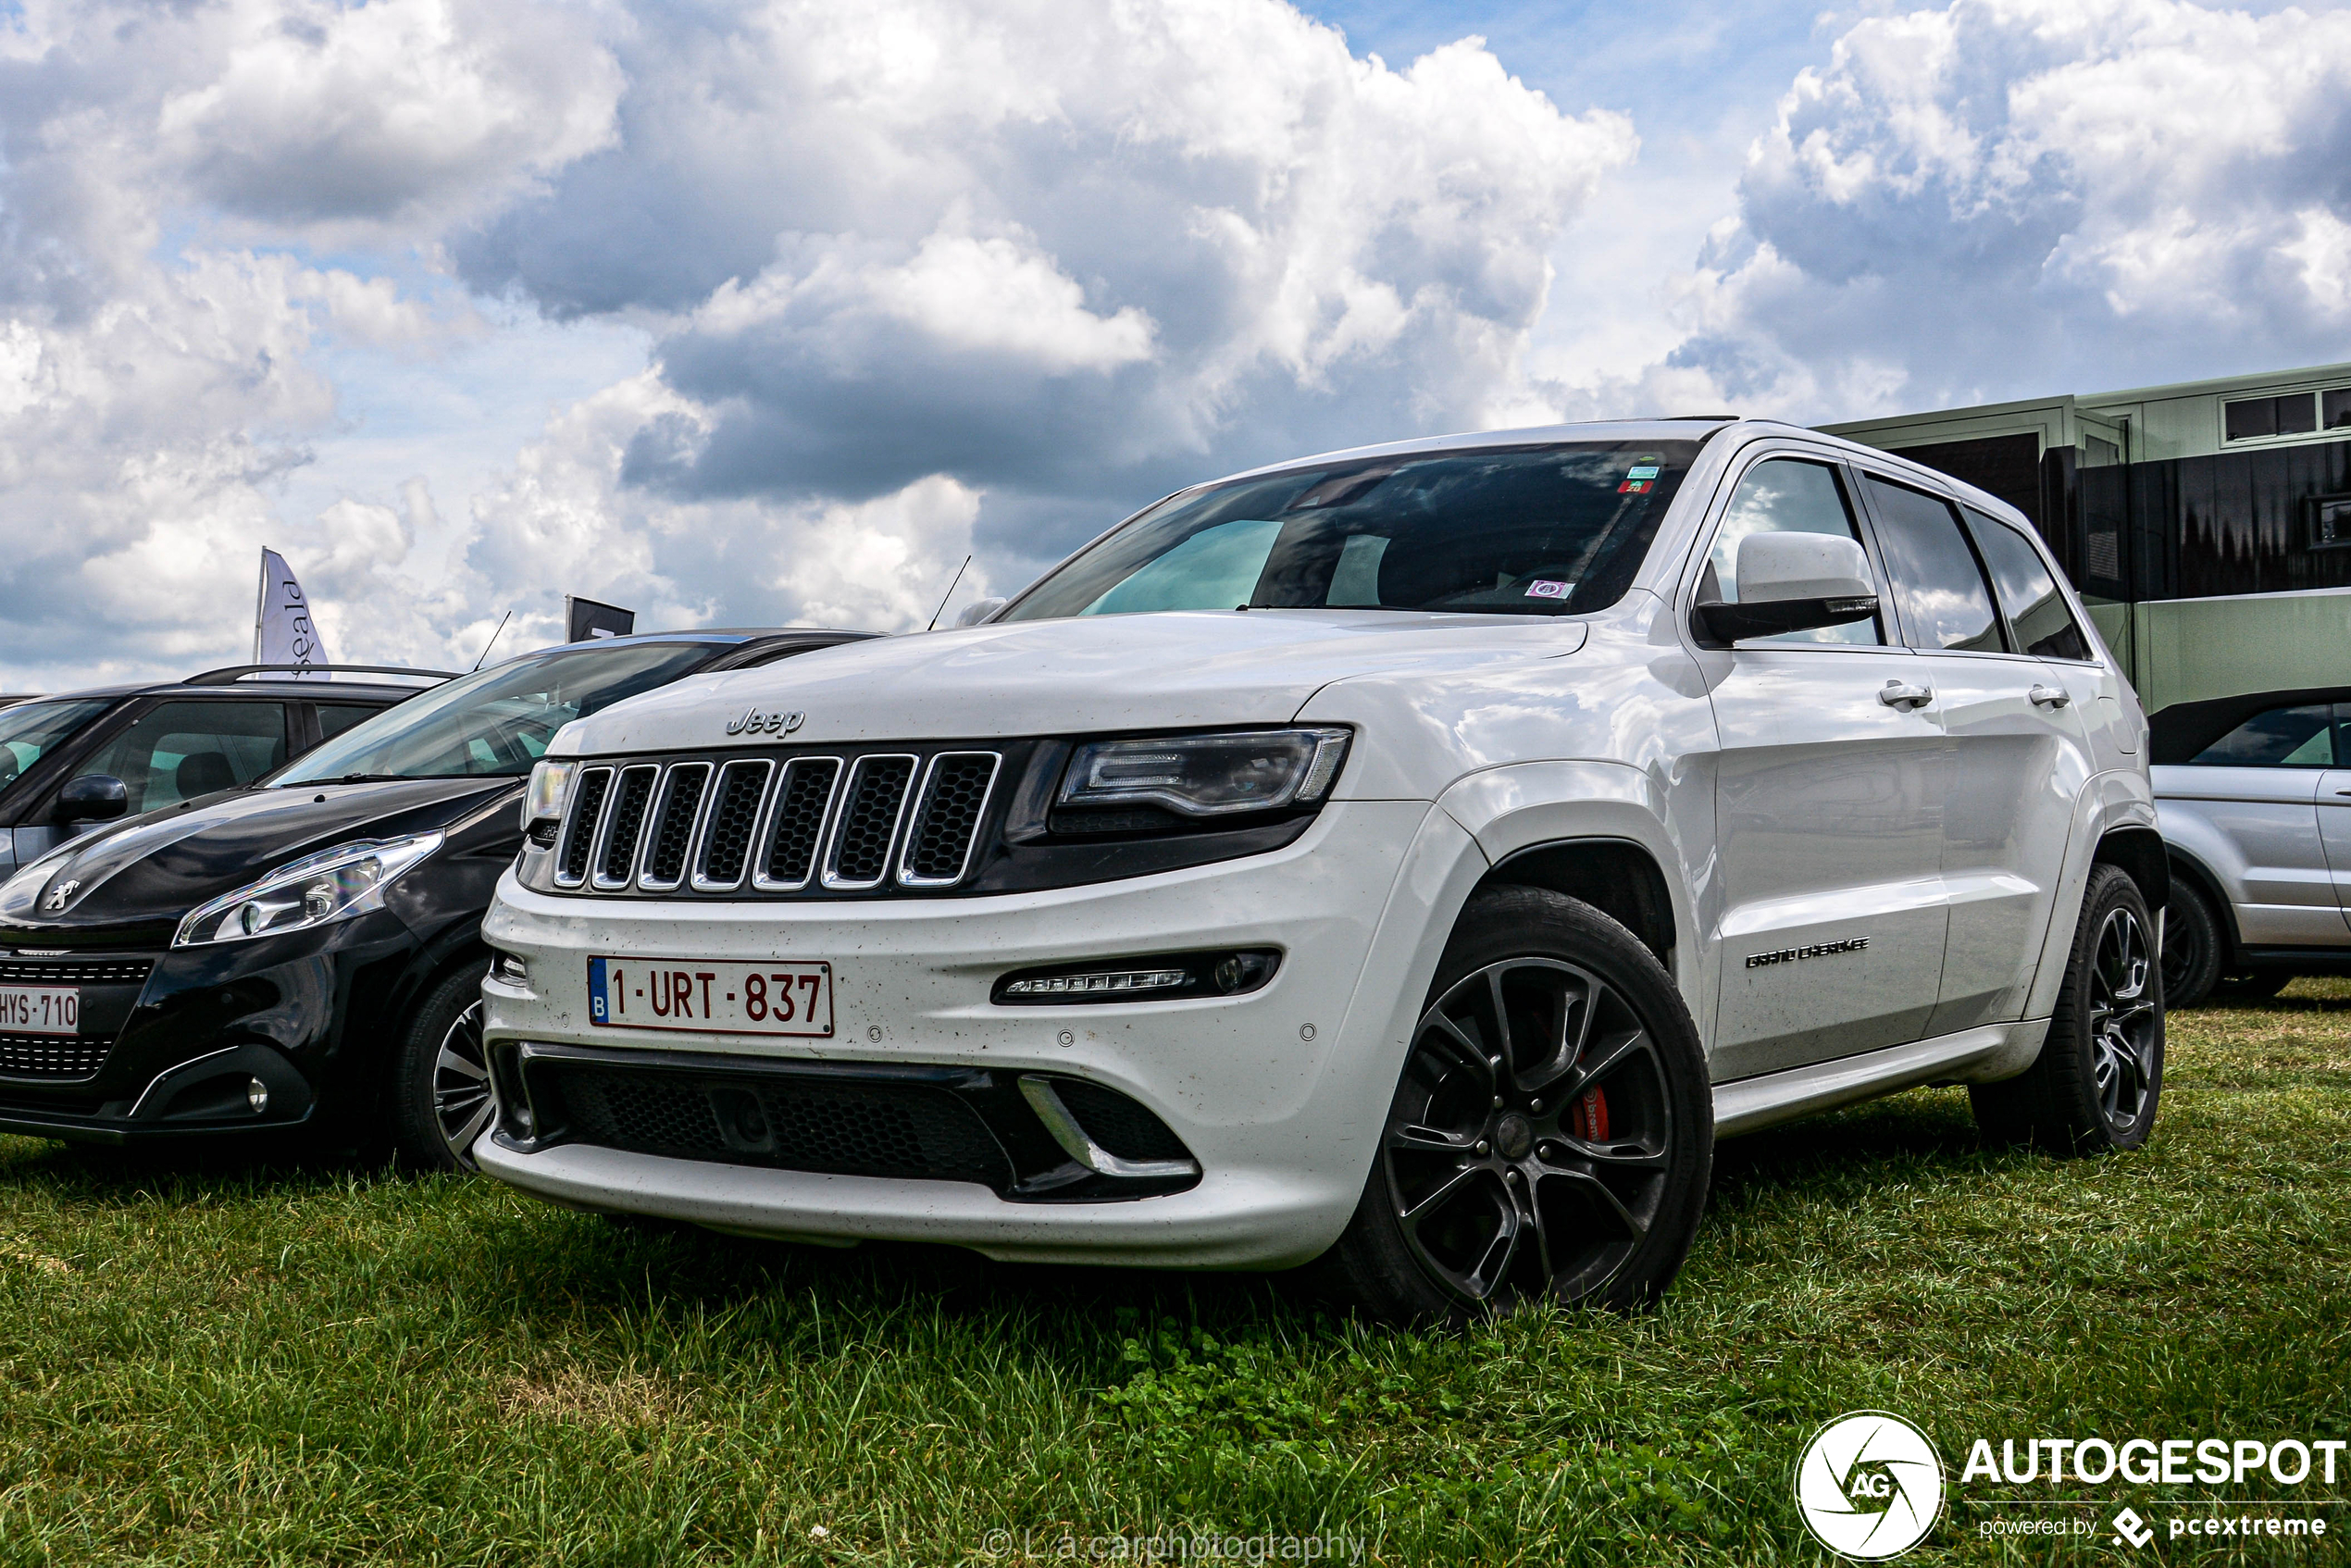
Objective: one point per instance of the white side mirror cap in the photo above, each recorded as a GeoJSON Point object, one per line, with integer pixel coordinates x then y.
{"type": "Point", "coordinates": [1773, 567]}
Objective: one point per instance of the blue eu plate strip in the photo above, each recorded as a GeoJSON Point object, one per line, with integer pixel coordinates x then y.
{"type": "Point", "coordinates": [596, 990]}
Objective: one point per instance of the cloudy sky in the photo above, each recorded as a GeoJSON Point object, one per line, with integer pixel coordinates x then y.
{"type": "Point", "coordinates": [746, 313]}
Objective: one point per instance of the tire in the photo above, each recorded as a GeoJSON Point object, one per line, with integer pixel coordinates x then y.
{"type": "Point", "coordinates": [1576, 1169]}
{"type": "Point", "coordinates": [2099, 1077]}
{"type": "Point", "coordinates": [2259, 985]}
{"type": "Point", "coordinates": [2191, 946]}
{"type": "Point", "coordinates": [440, 1098]}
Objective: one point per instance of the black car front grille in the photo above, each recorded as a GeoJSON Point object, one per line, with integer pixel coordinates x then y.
{"type": "Point", "coordinates": [753, 1119]}
{"type": "Point", "coordinates": [75, 972]}
{"type": "Point", "coordinates": [53, 1057]}
{"type": "Point", "coordinates": [876, 822]}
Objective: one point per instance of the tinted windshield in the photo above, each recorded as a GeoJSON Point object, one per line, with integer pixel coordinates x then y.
{"type": "Point", "coordinates": [30, 730]}
{"type": "Point", "coordinates": [1544, 530]}
{"type": "Point", "coordinates": [498, 721]}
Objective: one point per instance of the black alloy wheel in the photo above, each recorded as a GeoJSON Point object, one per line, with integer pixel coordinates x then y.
{"type": "Point", "coordinates": [1551, 1132]}
{"type": "Point", "coordinates": [2191, 946]}
{"type": "Point", "coordinates": [2099, 1077]}
{"type": "Point", "coordinates": [2125, 1018]}
{"type": "Point", "coordinates": [1528, 1146]}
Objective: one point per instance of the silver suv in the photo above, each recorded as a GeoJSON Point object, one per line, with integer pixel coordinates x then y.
{"type": "Point", "coordinates": [1405, 860]}
{"type": "Point", "coordinates": [2254, 797]}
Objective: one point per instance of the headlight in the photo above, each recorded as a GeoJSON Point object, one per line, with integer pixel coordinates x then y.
{"type": "Point", "coordinates": [332, 885]}
{"type": "Point", "coordinates": [543, 802]}
{"type": "Point", "coordinates": [1208, 774]}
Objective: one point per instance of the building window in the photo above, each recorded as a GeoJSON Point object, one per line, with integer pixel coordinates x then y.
{"type": "Point", "coordinates": [2330, 521]}
{"type": "Point", "coordinates": [2250, 419]}
{"type": "Point", "coordinates": [2335, 412]}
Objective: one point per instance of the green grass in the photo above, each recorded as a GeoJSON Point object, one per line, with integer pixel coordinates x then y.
{"type": "Point", "coordinates": [239, 1365]}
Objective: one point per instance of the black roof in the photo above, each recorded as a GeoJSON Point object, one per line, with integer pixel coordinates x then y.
{"type": "Point", "coordinates": [2179, 732]}
{"type": "Point", "coordinates": [255, 678]}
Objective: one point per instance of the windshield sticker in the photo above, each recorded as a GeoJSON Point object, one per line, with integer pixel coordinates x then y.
{"type": "Point", "coordinates": [1642, 471]}
{"type": "Point", "coordinates": [1543, 588]}
{"type": "Point", "coordinates": [1636, 487]}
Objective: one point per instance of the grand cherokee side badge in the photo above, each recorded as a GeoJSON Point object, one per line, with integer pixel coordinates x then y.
{"type": "Point", "coordinates": [757, 723]}
{"type": "Point", "coordinates": [1818, 949]}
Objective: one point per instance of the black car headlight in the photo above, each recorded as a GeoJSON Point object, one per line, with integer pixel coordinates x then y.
{"type": "Point", "coordinates": [1208, 775]}
{"type": "Point", "coordinates": [334, 884]}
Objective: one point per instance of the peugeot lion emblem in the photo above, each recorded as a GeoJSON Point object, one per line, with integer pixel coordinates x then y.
{"type": "Point", "coordinates": [59, 894]}
{"type": "Point", "coordinates": [757, 723]}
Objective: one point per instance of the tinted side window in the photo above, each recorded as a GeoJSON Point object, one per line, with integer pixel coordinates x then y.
{"type": "Point", "coordinates": [178, 751]}
{"type": "Point", "coordinates": [336, 717]}
{"type": "Point", "coordinates": [2281, 738]}
{"type": "Point", "coordinates": [2036, 609]}
{"type": "Point", "coordinates": [1784, 496]}
{"type": "Point", "coordinates": [1937, 581]}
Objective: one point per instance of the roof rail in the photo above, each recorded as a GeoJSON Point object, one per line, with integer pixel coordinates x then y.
{"type": "Point", "coordinates": [230, 675]}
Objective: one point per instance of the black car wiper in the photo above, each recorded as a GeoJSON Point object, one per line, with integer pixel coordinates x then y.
{"type": "Point", "coordinates": [346, 778]}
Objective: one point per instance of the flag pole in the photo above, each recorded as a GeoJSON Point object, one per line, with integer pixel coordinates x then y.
{"type": "Point", "coordinates": [260, 597]}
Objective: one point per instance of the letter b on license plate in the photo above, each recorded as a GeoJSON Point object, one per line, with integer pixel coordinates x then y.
{"type": "Point", "coordinates": [719, 997]}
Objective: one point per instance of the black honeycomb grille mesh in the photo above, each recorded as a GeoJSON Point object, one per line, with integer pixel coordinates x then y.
{"type": "Point", "coordinates": [675, 834]}
{"type": "Point", "coordinates": [588, 804]}
{"type": "Point", "coordinates": [49, 1056]}
{"type": "Point", "coordinates": [627, 821]}
{"type": "Point", "coordinates": [864, 1129]}
{"type": "Point", "coordinates": [951, 805]}
{"type": "Point", "coordinates": [861, 850]}
{"type": "Point", "coordinates": [1123, 1126]}
{"type": "Point", "coordinates": [800, 819]}
{"type": "Point", "coordinates": [732, 817]}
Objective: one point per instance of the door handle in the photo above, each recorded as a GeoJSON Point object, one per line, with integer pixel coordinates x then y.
{"type": "Point", "coordinates": [1901, 694]}
{"type": "Point", "coordinates": [2050, 696]}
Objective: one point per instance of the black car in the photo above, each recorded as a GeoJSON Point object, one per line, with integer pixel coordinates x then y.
{"type": "Point", "coordinates": [304, 952]}
{"type": "Point", "coordinates": [72, 760]}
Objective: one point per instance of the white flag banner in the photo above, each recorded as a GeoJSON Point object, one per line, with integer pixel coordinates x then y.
{"type": "Point", "coordinates": [284, 633]}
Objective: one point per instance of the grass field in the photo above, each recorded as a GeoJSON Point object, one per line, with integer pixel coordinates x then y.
{"type": "Point", "coordinates": [245, 1365]}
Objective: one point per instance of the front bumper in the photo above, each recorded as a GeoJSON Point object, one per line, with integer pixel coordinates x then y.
{"type": "Point", "coordinates": [178, 1041]}
{"type": "Point", "coordinates": [1278, 1094]}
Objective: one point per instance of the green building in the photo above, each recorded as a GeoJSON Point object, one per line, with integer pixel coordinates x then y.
{"type": "Point", "coordinates": [2206, 525]}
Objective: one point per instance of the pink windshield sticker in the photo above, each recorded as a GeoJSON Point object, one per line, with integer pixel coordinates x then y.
{"type": "Point", "coordinates": [1542, 588]}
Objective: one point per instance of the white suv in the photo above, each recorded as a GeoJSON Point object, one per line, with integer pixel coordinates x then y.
{"type": "Point", "coordinates": [1409, 859]}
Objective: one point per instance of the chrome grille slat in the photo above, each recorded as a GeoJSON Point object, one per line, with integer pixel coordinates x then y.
{"type": "Point", "coordinates": [677, 815]}
{"type": "Point", "coordinates": [948, 811]}
{"type": "Point", "coordinates": [723, 853]}
{"type": "Point", "coordinates": [586, 816]}
{"type": "Point", "coordinates": [866, 827]}
{"type": "Point", "coordinates": [797, 823]}
{"type": "Point", "coordinates": [624, 827]}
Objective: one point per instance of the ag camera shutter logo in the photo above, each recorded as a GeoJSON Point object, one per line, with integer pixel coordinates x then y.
{"type": "Point", "coordinates": [1870, 1484]}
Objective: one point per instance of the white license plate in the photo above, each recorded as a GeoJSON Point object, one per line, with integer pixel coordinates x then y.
{"type": "Point", "coordinates": [40, 1009]}
{"type": "Point", "coordinates": [712, 997]}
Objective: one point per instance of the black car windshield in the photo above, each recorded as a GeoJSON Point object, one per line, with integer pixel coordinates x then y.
{"type": "Point", "coordinates": [1521, 531]}
{"type": "Point", "coordinates": [29, 731]}
{"type": "Point", "coordinates": [496, 722]}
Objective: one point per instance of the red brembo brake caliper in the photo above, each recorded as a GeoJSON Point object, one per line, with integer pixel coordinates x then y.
{"type": "Point", "coordinates": [1587, 1120]}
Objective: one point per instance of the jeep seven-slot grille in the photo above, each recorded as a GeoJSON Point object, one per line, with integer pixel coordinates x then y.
{"type": "Point", "coordinates": [884, 821]}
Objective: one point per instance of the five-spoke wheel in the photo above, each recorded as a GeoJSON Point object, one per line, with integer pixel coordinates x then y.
{"type": "Point", "coordinates": [2124, 1018]}
{"type": "Point", "coordinates": [1550, 1133]}
{"type": "Point", "coordinates": [1528, 1145]}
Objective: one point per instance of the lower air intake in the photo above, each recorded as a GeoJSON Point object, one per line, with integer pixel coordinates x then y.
{"type": "Point", "coordinates": [839, 1129]}
{"type": "Point", "coordinates": [48, 1056]}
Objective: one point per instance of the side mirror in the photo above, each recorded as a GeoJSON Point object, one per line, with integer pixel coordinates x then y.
{"type": "Point", "coordinates": [93, 797]}
{"type": "Point", "coordinates": [1793, 582]}
{"type": "Point", "coordinates": [978, 611]}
